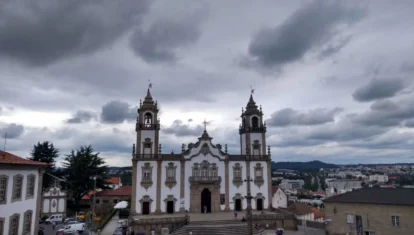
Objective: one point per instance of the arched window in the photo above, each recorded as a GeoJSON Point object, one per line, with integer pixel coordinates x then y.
{"type": "Point", "coordinates": [255, 122]}
{"type": "Point", "coordinates": [148, 119]}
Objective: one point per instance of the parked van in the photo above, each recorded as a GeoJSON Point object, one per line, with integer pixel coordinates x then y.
{"type": "Point", "coordinates": [57, 218]}
{"type": "Point", "coordinates": [75, 228]}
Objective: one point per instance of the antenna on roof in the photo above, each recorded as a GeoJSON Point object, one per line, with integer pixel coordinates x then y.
{"type": "Point", "coordinates": [5, 141]}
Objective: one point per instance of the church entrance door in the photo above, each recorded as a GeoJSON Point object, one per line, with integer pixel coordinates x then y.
{"type": "Point", "coordinates": [237, 205]}
{"type": "Point", "coordinates": [259, 204]}
{"type": "Point", "coordinates": [145, 208]}
{"type": "Point", "coordinates": [206, 201]}
{"type": "Point", "coordinates": [170, 207]}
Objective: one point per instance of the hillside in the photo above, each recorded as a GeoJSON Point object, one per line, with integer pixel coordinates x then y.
{"type": "Point", "coordinates": [302, 165]}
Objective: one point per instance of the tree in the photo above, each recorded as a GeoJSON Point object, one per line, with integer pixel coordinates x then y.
{"type": "Point", "coordinates": [80, 168]}
{"type": "Point", "coordinates": [45, 152]}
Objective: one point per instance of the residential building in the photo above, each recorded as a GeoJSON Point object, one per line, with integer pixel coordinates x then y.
{"type": "Point", "coordinates": [107, 199]}
{"type": "Point", "coordinates": [344, 184]}
{"type": "Point", "coordinates": [372, 211]}
{"type": "Point", "coordinates": [318, 215]}
{"type": "Point", "coordinates": [301, 211]}
{"type": "Point", "coordinates": [113, 182]}
{"type": "Point", "coordinates": [291, 184]}
{"type": "Point", "coordinates": [20, 194]}
{"type": "Point", "coordinates": [379, 178]}
{"type": "Point", "coordinates": [279, 199]}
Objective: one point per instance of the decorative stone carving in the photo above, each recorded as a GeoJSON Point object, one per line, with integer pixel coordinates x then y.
{"type": "Point", "coordinates": [170, 174]}
{"type": "Point", "coordinates": [54, 203]}
{"type": "Point", "coordinates": [237, 175]}
{"type": "Point", "coordinates": [146, 180]}
{"type": "Point", "coordinates": [258, 175]}
{"type": "Point", "coordinates": [205, 149]}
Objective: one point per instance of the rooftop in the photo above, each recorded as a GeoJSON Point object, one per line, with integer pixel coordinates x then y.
{"type": "Point", "coordinates": [121, 191]}
{"type": "Point", "coordinates": [113, 180]}
{"type": "Point", "coordinates": [299, 208]}
{"type": "Point", "coordinates": [386, 196]}
{"type": "Point", "coordinates": [8, 158]}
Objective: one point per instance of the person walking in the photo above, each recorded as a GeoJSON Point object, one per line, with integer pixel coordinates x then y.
{"type": "Point", "coordinates": [53, 225]}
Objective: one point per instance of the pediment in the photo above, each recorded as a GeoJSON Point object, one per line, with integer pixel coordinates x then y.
{"type": "Point", "coordinates": [204, 148]}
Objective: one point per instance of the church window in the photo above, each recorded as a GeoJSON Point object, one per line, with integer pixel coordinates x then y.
{"type": "Point", "coordinates": [213, 170]}
{"type": "Point", "coordinates": [147, 146]}
{"type": "Point", "coordinates": [255, 122]}
{"type": "Point", "coordinates": [204, 172]}
{"type": "Point", "coordinates": [256, 147]}
{"type": "Point", "coordinates": [148, 119]}
{"type": "Point", "coordinates": [170, 180]}
{"type": "Point", "coordinates": [196, 171]}
{"type": "Point", "coordinates": [146, 180]}
{"type": "Point", "coordinates": [258, 175]}
{"type": "Point", "coordinates": [237, 175]}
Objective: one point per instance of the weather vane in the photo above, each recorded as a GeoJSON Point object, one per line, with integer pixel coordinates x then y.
{"type": "Point", "coordinates": [150, 84]}
{"type": "Point", "coordinates": [251, 90]}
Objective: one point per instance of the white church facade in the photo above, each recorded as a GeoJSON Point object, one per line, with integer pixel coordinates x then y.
{"type": "Point", "coordinates": [204, 177]}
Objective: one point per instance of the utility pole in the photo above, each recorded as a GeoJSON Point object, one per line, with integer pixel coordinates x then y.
{"type": "Point", "coordinates": [5, 141]}
{"type": "Point", "coordinates": [93, 204]}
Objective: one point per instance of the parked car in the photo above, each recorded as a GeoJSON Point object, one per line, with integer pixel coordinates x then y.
{"type": "Point", "coordinates": [75, 227]}
{"type": "Point", "coordinates": [120, 231]}
{"type": "Point", "coordinates": [57, 218]}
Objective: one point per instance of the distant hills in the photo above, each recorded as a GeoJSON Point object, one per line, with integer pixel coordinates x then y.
{"type": "Point", "coordinates": [312, 165]}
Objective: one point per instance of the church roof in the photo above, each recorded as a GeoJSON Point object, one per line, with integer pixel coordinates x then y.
{"type": "Point", "coordinates": [251, 107]}
{"type": "Point", "coordinates": [8, 158]}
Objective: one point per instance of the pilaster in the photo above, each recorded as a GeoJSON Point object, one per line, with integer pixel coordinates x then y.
{"type": "Point", "coordinates": [134, 186]}
{"type": "Point", "coordinates": [182, 184]}
{"type": "Point", "coordinates": [39, 198]}
{"type": "Point", "coordinates": [269, 183]}
{"type": "Point", "coordinates": [227, 179]}
{"type": "Point", "coordinates": [158, 203]}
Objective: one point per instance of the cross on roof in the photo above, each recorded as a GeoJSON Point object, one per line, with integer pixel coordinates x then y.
{"type": "Point", "coordinates": [205, 124]}
{"type": "Point", "coordinates": [252, 90]}
{"type": "Point", "coordinates": [150, 84]}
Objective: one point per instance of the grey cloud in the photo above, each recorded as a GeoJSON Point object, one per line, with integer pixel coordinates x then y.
{"type": "Point", "coordinates": [82, 116]}
{"type": "Point", "coordinates": [378, 89]}
{"type": "Point", "coordinates": [13, 130]}
{"type": "Point", "coordinates": [409, 123]}
{"type": "Point", "coordinates": [305, 30]}
{"type": "Point", "coordinates": [384, 105]}
{"type": "Point", "coordinates": [116, 111]}
{"type": "Point", "coordinates": [43, 31]}
{"type": "Point", "coordinates": [288, 116]}
{"type": "Point", "coordinates": [180, 129]}
{"type": "Point", "coordinates": [190, 120]}
{"type": "Point", "coordinates": [160, 42]}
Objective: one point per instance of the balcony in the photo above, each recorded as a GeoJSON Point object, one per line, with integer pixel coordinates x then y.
{"type": "Point", "coordinates": [141, 126]}
{"type": "Point", "coordinates": [243, 130]}
{"type": "Point", "coordinates": [205, 179]}
{"type": "Point", "coordinates": [147, 156]}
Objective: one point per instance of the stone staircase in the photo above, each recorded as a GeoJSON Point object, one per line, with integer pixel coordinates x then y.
{"type": "Point", "coordinates": [221, 227]}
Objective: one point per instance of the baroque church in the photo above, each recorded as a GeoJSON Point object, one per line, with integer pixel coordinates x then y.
{"type": "Point", "coordinates": [204, 177]}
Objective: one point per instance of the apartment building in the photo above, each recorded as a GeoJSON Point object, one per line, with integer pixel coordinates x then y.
{"type": "Point", "coordinates": [291, 184]}
{"type": "Point", "coordinates": [20, 194]}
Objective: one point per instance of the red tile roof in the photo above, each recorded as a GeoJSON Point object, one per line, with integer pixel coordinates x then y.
{"type": "Point", "coordinates": [113, 180]}
{"type": "Point", "coordinates": [299, 209]}
{"type": "Point", "coordinates": [87, 196]}
{"type": "Point", "coordinates": [317, 213]}
{"type": "Point", "coordinates": [8, 158]}
{"type": "Point", "coordinates": [121, 191]}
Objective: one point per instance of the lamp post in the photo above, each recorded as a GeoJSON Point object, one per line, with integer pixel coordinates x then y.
{"type": "Point", "coordinates": [249, 207]}
{"type": "Point", "coordinates": [93, 204]}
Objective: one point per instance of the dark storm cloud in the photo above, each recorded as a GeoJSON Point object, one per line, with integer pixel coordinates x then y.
{"type": "Point", "coordinates": [161, 40]}
{"type": "Point", "coordinates": [387, 113]}
{"type": "Point", "coordinates": [409, 123]}
{"type": "Point", "coordinates": [13, 130]}
{"type": "Point", "coordinates": [43, 31]}
{"type": "Point", "coordinates": [288, 116]}
{"type": "Point", "coordinates": [82, 116]}
{"type": "Point", "coordinates": [179, 129]}
{"type": "Point", "coordinates": [307, 29]}
{"type": "Point", "coordinates": [116, 111]}
{"type": "Point", "coordinates": [378, 89]}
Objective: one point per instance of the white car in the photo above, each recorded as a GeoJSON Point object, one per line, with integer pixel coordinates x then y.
{"type": "Point", "coordinates": [75, 227]}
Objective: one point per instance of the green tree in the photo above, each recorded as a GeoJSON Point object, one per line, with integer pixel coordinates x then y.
{"type": "Point", "coordinates": [45, 152]}
{"type": "Point", "coordinates": [80, 168]}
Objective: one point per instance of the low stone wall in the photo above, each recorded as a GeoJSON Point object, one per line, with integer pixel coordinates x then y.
{"type": "Point", "coordinates": [146, 225]}
{"type": "Point", "coordinates": [313, 224]}
{"type": "Point", "coordinates": [276, 220]}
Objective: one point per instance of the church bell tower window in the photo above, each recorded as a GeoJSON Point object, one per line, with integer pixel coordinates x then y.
{"type": "Point", "coordinates": [256, 147]}
{"type": "Point", "coordinates": [255, 122]}
{"type": "Point", "coordinates": [148, 119]}
{"type": "Point", "coordinates": [147, 146]}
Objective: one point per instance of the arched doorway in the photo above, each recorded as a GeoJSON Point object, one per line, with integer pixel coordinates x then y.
{"type": "Point", "coordinates": [206, 200]}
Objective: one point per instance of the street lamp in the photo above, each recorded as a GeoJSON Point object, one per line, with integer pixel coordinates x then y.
{"type": "Point", "coordinates": [249, 207]}
{"type": "Point", "coordinates": [94, 202]}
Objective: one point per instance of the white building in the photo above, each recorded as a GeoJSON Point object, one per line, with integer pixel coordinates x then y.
{"type": "Point", "coordinates": [113, 182]}
{"type": "Point", "coordinates": [202, 176]}
{"type": "Point", "coordinates": [54, 201]}
{"type": "Point", "coordinates": [20, 194]}
{"type": "Point", "coordinates": [379, 178]}
{"type": "Point", "coordinates": [279, 199]}
{"type": "Point", "coordinates": [291, 184]}
{"type": "Point", "coordinates": [344, 184]}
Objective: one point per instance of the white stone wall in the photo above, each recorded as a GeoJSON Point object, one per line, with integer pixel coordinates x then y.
{"type": "Point", "coordinates": [175, 191]}
{"type": "Point", "coordinates": [254, 189]}
{"type": "Point", "coordinates": [19, 207]}
{"type": "Point", "coordinates": [233, 190]}
{"type": "Point", "coordinates": [279, 199]}
{"type": "Point", "coordinates": [151, 191]}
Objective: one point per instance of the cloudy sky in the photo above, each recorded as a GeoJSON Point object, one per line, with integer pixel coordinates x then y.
{"type": "Point", "coordinates": [334, 78]}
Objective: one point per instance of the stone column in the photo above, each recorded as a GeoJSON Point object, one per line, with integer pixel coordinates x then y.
{"type": "Point", "coordinates": [269, 182]}
{"type": "Point", "coordinates": [38, 199]}
{"type": "Point", "coordinates": [158, 202]}
{"type": "Point", "coordinates": [227, 185]}
{"type": "Point", "coordinates": [182, 183]}
{"type": "Point", "coordinates": [134, 186]}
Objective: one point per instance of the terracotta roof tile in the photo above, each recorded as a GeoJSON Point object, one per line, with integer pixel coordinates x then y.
{"type": "Point", "coordinates": [317, 213]}
{"type": "Point", "coordinates": [113, 180]}
{"type": "Point", "coordinates": [299, 208]}
{"type": "Point", "coordinates": [8, 158]}
{"type": "Point", "coordinates": [121, 191]}
{"type": "Point", "coordinates": [87, 196]}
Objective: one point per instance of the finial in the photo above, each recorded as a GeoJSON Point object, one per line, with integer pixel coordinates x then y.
{"type": "Point", "coordinates": [225, 148]}
{"type": "Point", "coordinates": [183, 148]}
{"type": "Point", "coordinates": [149, 84]}
{"type": "Point", "coordinates": [140, 103]}
{"type": "Point", "coordinates": [268, 150]}
{"type": "Point", "coordinates": [251, 90]}
{"type": "Point", "coordinates": [205, 125]}
{"type": "Point", "coordinates": [260, 108]}
{"type": "Point", "coordinates": [133, 149]}
{"type": "Point", "coordinates": [159, 149]}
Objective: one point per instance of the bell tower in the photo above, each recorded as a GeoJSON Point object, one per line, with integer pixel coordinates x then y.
{"type": "Point", "coordinates": [147, 128]}
{"type": "Point", "coordinates": [252, 130]}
